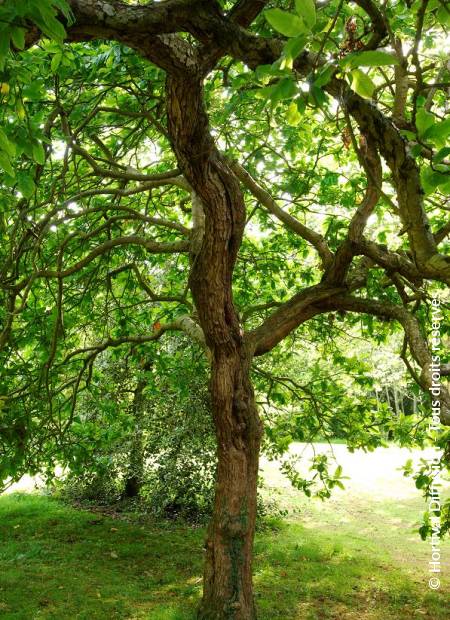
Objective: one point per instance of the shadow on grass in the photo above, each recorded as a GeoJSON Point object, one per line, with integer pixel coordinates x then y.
{"type": "Point", "coordinates": [61, 563]}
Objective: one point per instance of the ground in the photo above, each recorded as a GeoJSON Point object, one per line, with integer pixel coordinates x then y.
{"type": "Point", "coordinates": [354, 557]}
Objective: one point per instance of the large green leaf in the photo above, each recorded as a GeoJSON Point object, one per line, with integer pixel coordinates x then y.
{"type": "Point", "coordinates": [438, 132]}
{"type": "Point", "coordinates": [362, 84]}
{"type": "Point", "coordinates": [44, 15]}
{"type": "Point", "coordinates": [5, 163]}
{"type": "Point", "coordinates": [307, 11]}
{"type": "Point", "coordinates": [433, 179]}
{"type": "Point", "coordinates": [38, 153]}
{"type": "Point", "coordinates": [285, 89]}
{"type": "Point", "coordinates": [18, 37]}
{"type": "Point", "coordinates": [368, 59]}
{"type": "Point", "coordinates": [286, 23]}
{"type": "Point", "coordinates": [424, 121]}
{"type": "Point", "coordinates": [25, 184]}
{"type": "Point", "coordinates": [293, 115]}
{"type": "Point", "coordinates": [292, 49]}
{"type": "Point", "coordinates": [443, 15]}
{"type": "Point", "coordinates": [441, 154]}
{"type": "Point", "coordinates": [56, 61]}
{"type": "Point", "coordinates": [6, 144]}
{"type": "Point", "coordinates": [325, 75]}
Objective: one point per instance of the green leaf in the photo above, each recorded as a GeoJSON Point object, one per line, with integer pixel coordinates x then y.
{"type": "Point", "coordinates": [56, 61]}
{"type": "Point", "coordinates": [368, 59]}
{"type": "Point", "coordinates": [443, 15]}
{"type": "Point", "coordinates": [45, 18]}
{"type": "Point", "coordinates": [424, 121]}
{"type": "Point", "coordinates": [18, 37]}
{"type": "Point", "coordinates": [264, 93]}
{"type": "Point", "coordinates": [5, 163]}
{"type": "Point", "coordinates": [65, 9]}
{"type": "Point", "coordinates": [288, 24]}
{"type": "Point", "coordinates": [317, 96]}
{"type": "Point", "coordinates": [285, 89]}
{"type": "Point", "coordinates": [6, 144]}
{"type": "Point", "coordinates": [25, 184]}
{"type": "Point", "coordinates": [307, 11]}
{"type": "Point", "coordinates": [293, 48]}
{"type": "Point", "coordinates": [409, 135]}
{"type": "Point", "coordinates": [33, 91]}
{"type": "Point", "coordinates": [442, 154]}
{"type": "Point", "coordinates": [293, 115]}
{"type": "Point", "coordinates": [438, 132]}
{"type": "Point", "coordinates": [432, 179]}
{"type": "Point", "coordinates": [416, 150]}
{"type": "Point", "coordinates": [362, 84]}
{"type": "Point", "coordinates": [38, 153]}
{"type": "Point", "coordinates": [264, 71]}
{"type": "Point", "coordinates": [325, 75]}
{"type": "Point", "coordinates": [5, 36]}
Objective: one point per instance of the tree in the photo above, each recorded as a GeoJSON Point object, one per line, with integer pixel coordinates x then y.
{"type": "Point", "coordinates": [143, 432]}
{"type": "Point", "coordinates": [284, 88]}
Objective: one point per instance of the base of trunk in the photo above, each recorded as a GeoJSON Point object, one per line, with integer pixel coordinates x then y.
{"type": "Point", "coordinates": [230, 611]}
{"type": "Point", "coordinates": [132, 488]}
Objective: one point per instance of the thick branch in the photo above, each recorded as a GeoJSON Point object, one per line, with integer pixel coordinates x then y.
{"type": "Point", "coordinates": [314, 238]}
{"type": "Point", "coordinates": [389, 260]}
{"type": "Point", "coordinates": [289, 316]}
{"type": "Point", "coordinates": [378, 23]}
{"type": "Point", "coordinates": [344, 255]}
{"type": "Point", "coordinates": [184, 323]}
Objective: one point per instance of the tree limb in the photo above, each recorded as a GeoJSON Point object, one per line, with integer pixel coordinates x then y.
{"type": "Point", "coordinates": [314, 238]}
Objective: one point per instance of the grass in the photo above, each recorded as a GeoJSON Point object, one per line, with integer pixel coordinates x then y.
{"type": "Point", "coordinates": [326, 562]}
{"type": "Point", "coordinates": [58, 562]}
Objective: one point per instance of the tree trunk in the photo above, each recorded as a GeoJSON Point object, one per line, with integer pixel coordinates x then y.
{"type": "Point", "coordinates": [227, 592]}
{"type": "Point", "coordinates": [135, 470]}
{"type": "Point", "coordinates": [227, 589]}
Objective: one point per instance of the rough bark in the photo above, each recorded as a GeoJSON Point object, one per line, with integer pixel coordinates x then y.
{"type": "Point", "coordinates": [228, 573]}
{"type": "Point", "coordinates": [227, 588]}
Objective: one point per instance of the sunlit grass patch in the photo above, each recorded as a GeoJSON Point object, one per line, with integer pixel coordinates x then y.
{"type": "Point", "coordinates": [60, 563]}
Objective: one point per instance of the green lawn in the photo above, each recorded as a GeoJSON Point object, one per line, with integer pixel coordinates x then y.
{"type": "Point", "coordinates": [61, 563]}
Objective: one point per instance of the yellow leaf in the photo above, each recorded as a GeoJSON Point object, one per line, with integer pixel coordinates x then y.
{"type": "Point", "coordinates": [20, 111]}
{"type": "Point", "coordinates": [293, 116]}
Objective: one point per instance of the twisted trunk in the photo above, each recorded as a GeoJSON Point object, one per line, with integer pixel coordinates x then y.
{"type": "Point", "coordinates": [227, 588]}
{"type": "Point", "coordinates": [228, 568]}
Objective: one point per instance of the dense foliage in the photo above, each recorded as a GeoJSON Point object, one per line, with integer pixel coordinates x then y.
{"type": "Point", "coordinates": [145, 436]}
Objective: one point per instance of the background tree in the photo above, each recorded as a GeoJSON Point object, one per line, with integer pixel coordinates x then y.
{"type": "Point", "coordinates": [225, 172]}
{"type": "Point", "coordinates": [142, 435]}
